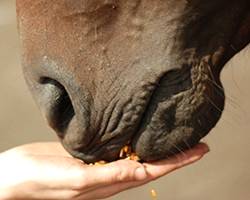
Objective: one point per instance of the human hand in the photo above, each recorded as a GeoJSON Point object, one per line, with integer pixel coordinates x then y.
{"type": "Point", "coordinates": [43, 171]}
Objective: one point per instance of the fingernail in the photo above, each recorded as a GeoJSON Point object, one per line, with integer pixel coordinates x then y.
{"type": "Point", "coordinates": [140, 173]}
{"type": "Point", "coordinates": [204, 148]}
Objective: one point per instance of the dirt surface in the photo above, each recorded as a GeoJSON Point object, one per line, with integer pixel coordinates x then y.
{"type": "Point", "coordinates": [222, 175]}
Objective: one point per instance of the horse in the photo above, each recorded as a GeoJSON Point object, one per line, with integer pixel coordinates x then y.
{"type": "Point", "coordinates": [144, 74]}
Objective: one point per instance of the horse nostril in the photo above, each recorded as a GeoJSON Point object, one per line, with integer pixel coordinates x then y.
{"type": "Point", "coordinates": [59, 110]}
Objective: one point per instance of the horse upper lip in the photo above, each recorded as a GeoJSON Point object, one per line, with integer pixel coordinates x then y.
{"type": "Point", "coordinates": [123, 137]}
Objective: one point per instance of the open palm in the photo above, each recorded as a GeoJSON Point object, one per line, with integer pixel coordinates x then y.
{"type": "Point", "coordinates": [46, 171]}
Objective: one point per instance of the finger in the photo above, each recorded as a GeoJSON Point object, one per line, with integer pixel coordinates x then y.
{"type": "Point", "coordinates": [127, 170]}
{"type": "Point", "coordinates": [160, 168]}
{"type": "Point", "coordinates": [108, 191]}
{"type": "Point", "coordinates": [154, 170]}
{"type": "Point", "coordinates": [117, 172]}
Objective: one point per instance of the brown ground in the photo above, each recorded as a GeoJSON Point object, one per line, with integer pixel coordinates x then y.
{"type": "Point", "coordinates": [223, 175]}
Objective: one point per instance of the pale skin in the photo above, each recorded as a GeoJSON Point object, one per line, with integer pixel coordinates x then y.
{"type": "Point", "coordinates": [45, 171]}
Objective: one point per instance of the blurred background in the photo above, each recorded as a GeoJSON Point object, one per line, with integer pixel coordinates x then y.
{"type": "Point", "coordinates": [224, 174]}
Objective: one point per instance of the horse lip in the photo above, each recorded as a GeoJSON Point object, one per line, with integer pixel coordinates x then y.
{"type": "Point", "coordinates": [90, 151]}
{"type": "Point", "coordinates": [189, 110]}
{"type": "Point", "coordinates": [93, 151]}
